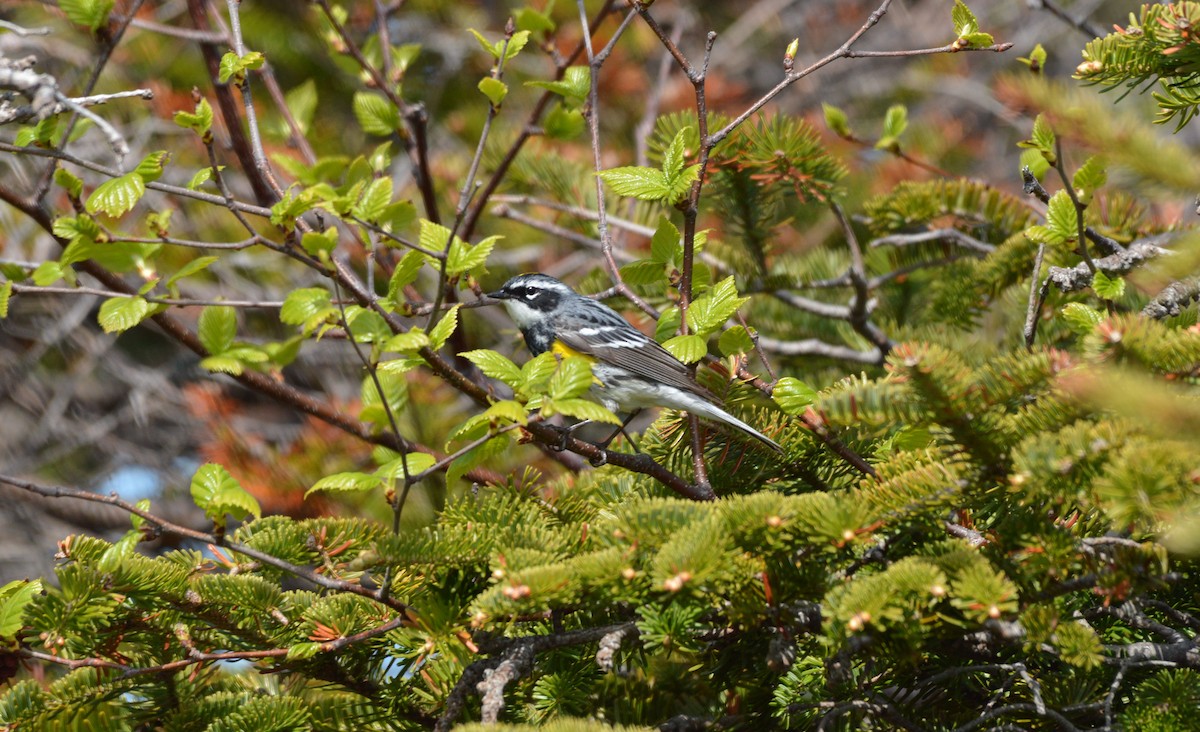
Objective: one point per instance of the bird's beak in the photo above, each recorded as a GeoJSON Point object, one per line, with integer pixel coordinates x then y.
{"type": "Point", "coordinates": [497, 295]}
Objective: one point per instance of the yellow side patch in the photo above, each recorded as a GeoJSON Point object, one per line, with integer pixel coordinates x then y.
{"type": "Point", "coordinates": [562, 350]}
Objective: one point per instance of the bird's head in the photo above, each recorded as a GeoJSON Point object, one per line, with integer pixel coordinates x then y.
{"type": "Point", "coordinates": [529, 298]}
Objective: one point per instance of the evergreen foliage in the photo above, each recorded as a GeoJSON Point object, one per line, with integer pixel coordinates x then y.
{"type": "Point", "coordinates": [986, 510]}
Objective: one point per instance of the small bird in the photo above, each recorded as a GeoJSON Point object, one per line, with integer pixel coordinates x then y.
{"type": "Point", "coordinates": [632, 370]}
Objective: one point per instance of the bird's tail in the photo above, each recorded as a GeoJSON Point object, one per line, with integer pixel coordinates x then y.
{"type": "Point", "coordinates": [720, 415]}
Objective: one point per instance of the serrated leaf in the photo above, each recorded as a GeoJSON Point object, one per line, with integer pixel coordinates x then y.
{"type": "Point", "coordinates": [666, 246]}
{"type": "Point", "coordinates": [681, 185]}
{"type": "Point", "coordinates": [1080, 318]}
{"type": "Point", "coordinates": [223, 364]}
{"type": "Point", "coordinates": [495, 366]}
{"type": "Point", "coordinates": [409, 342]}
{"type": "Point", "coordinates": [301, 305]}
{"type": "Point", "coordinates": [345, 482]}
{"type": "Point", "coordinates": [1061, 217]}
{"type": "Point", "coordinates": [793, 395]}
{"type": "Point", "coordinates": [976, 40]}
{"type": "Point", "coordinates": [646, 184]}
{"type": "Point", "coordinates": [90, 13]}
{"type": "Point", "coordinates": [1090, 177]}
{"type": "Point", "coordinates": [735, 340]}
{"type": "Point", "coordinates": [14, 598]}
{"type": "Point", "coordinates": [375, 114]}
{"type": "Point", "coordinates": [494, 89]}
{"type": "Point", "coordinates": [201, 177]}
{"type": "Point", "coordinates": [507, 410]}
{"type": "Point", "coordinates": [316, 242]}
{"type": "Point", "coordinates": [836, 120]}
{"type": "Point", "coordinates": [200, 120]}
{"type": "Point", "coordinates": [375, 198]}
{"type": "Point", "coordinates": [687, 348]}
{"type": "Point", "coordinates": [444, 328]}
{"type": "Point", "coordinates": [415, 462]}
{"type": "Point", "coordinates": [230, 66]}
{"type": "Point", "coordinates": [964, 20]}
{"type": "Point", "coordinates": [217, 328]}
{"type": "Point", "coordinates": [1036, 162]}
{"type": "Point", "coordinates": [1042, 139]}
{"type": "Point", "coordinates": [151, 167]}
{"type": "Point", "coordinates": [668, 324]}
{"type": "Point", "coordinates": [465, 258]}
{"type": "Point", "coordinates": [581, 409]}
{"type": "Point", "coordinates": [572, 378]}
{"type": "Point", "coordinates": [515, 44]}
{"type": "Point", "coordinates": [710, 311]}
{"type": "Point", "coordinates": [117, 196]}
{"type": "Point", "coordinates": [69, 182]}
{"type": "Point", "coordinates": [675, 155]}
{"type": "Point", "coordinates": [895, 121]}
{"type": "Point", "coordinates": [575, 84]}
{"type": "Point", "coordinates": [47, 273]}
{"type": "Point", "coordinates": [487, 45]}
{"type": "Point", "coordinates": [5, 296]}
{"type": "Point", "coordinates": [119, 314]}
{"type": "Point", "coordinates": [217, 493]}
{"type": "Point", "coordinates": [563, 123]}
{"type": "Point", "coordinates": [1108, 288]}
{"type": "Point", "coordinates": [405, 274]}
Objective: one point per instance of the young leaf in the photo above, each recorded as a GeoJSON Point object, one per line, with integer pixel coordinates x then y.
{"type": "Point", "coordinates": [444, 328]}
{"type": "Point", "coordinates": [375, 114]}
{"type": "Point", "coordinates": [710, 311]}
{"type": "Point", "coordinates": [1061, 216]}
{"type": "Point", "coordinates": [217, 493]}
{"type": "Point", "coordinates": [302, 304]}
{"type": "Point", "coordinates": [117, 196]}
{"type": "Point", "coordinates": [495, 366]}
{"type": "Point", "coordinates": [666, 246]}
{"type": "Point", "coordinates": [90, 13]}
{"type": "Point", "coordinates": [119, 314]}
{"type": "Point", "coordinates": [151, 167]}
{"type": "Point", "coordinates": [836, 120]}
{"type": "Point", "coordinates": [375, 198]}
{"type": "Point", "coordinates": [735, 340]}
{"type": "Point", "coordinates": [1090, 177]}
{"type": "Point", "coordinates": [675, 155]}
{"type": "Point", "coordinates": [574, 86]}
{"type": "Point", "coordinates": [14, 598]}
{"type": "Point", "coordinates": [572, 378]}
{"type": "Point", "coordinates": [563, 123]}
{"type": "Point", "coordinates": [345, 482]}
{"type": "Point", "coordinates": [414, 462]}
{"type": "Point", "coordinates": [494, 89]}
{"type": "Point", "coordinates": [1108, 288]}
{"type": "Point", "coordinates": [316, 242]}
{"type": "Point", "coordinates": [581, 409]}
{"type": "Point", "coordinates": [793, 395]}
{"type": "Point", "coordinates": [646, 184]}
{"type": "Point", "coordinates": [200, 120]}
{"type": "Point", "coordinates": [217, 328]}
{"type": "Point", "coordinates": [1080, 318]}
{"type": "Point", "coordinates": [687, 348]}
{"type": "Point", "coordinates": [5, 295]}
{"type": "Point", "coordinates": [964, 20]}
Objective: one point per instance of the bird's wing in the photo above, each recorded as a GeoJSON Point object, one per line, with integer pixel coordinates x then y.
{"type": "Point", "coordinates": [604, 335]}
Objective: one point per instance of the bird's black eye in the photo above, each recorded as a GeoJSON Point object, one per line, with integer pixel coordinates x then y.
{"type": "Point", "coordinates": [530, 294]}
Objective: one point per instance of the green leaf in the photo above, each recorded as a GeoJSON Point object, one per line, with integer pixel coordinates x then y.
{"type": "Point", "coordinates": [47, 273]}
{"type": "Point", "coordinates": [964, 20]}
{"type": "Point", "coordinates": [895, 121]}
{"type": "Point", "coordinates": [90, 13]}
{"type": "Point", "coordinates": [217, 328]}
{"type": "Point", "coordinates": [1037, 59]}
{"type": "Point", "coordinates": [581, 409]}
{"type": "Point", "coordinates": [534, 21]}
{"type": "Point", "coordinates": [223, 364]}
{"type": "Point", "coordinates": [301, 305]}
{"type": "Point", "coordinates": [201, 177]}
{"type": "Point", "coordinates": [563, 123]}
{"type": "Point", "coordinates": [1036, 162]}
{"type": "Point", "coordinates": [1061, 217]}
{"type": "Point", "coordinates": [836, 120]}
{"type": "Point", "coordinates": [69, 182]}
{"type": "Point", "coordinates": [1108, 288]}
{"type": "Point", "coordinates": [674, 156]}
{"type": "Point", "coordinates": [151, 167]}
{"type": "Point", "coordinates": [515, 44]}
{"type": "Point", "coordinates": [395, 390]}
{"type": "Point", "coordinates": [646, 184]}
{"type": "Point", "coordinates": [666, 245]}
{"type": "Point", "coordinates": [374, 200]}
{"type": "Point", "coordinates": [485, 43]}
{"type": "Point", "coordinates": [495, 366]}
{"type": "Point", "coordinates": [494, 89]}
{"type": "Point", "coordinates": [793, 395]}
{"type": "Point", "coordinates": [575, 85]}
{"type": "Point", "coordinates": [405, 274]}
{"type": "Point", "coordinates": [687, 348]}
{"type": "Point", "coordinates": [5, 295]}
{"type": "Point", "coordinates": [444, 328]}
{"type": "Point", "coordinates": [1090, 177]}
{"type": "Point", "coordinates": [535, 373]}
{"type": "Point", "coordinates": [375, 114]}
{"type": "Point", "coordinates": [681, 185]}
{"type": "Point", "coordinates": [409, 342]}
{"type": "Point", "coordinates": [345, 482]}
{"type": "Point", "coordinates": [465, 258]}
{"type": "Point", "coordinates": [643, 272]}
{"type": "Point", "coordinates": [14, 598]}
{"type": "Point", "coordinates": [668, 324]}
{"type": "Point", "coordinates": [573, 378]}
{"type": "Point", "coordinates": [200, 120]}
{"type": "Point", "coordinates": [217, 493]}
{"type": "Point", "coordinates": [735, 340]}
{"type": "Point", "coordinates": [316, 242]}
{"type": "Point", "coordinates": [416, 462]}
{"type": "Point", "coordinates": [1042, 140]}
{"type": "Point", "coordinates": [302, 103]}
{"type": "Point", "coordinates": [710, 311]}
{"type": "Point", "coordinates": [117, 196]}
{"type": "Point", "coordinates": [507, 410]}
{"type": "Point", "coordinates": [1080, 318]}
{"type": "Point", "coordinates": [119, 314]}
